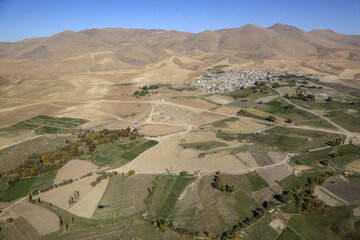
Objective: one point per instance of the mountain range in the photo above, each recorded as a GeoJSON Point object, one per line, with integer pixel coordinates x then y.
{"type": "Point", "coordinates": [130, 53]}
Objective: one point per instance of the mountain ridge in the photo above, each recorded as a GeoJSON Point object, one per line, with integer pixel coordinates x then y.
{"type": "Point", "coordinates": [279, 46]}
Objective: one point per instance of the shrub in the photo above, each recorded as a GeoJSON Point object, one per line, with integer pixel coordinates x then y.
{"type": "Point", "coordinates": [184, 173]}
{"type": "Point", "coordinates": [131, 172]}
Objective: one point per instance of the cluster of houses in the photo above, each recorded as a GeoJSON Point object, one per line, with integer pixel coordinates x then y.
{"type": "Point", "coordinates": [233, 79]}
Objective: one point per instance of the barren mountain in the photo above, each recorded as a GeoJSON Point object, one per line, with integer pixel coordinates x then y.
{"type": "Point", "coordinates": [136, 52]}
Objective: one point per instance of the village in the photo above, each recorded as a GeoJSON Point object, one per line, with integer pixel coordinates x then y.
{"type": "Point", "coordinates": [235, 79]}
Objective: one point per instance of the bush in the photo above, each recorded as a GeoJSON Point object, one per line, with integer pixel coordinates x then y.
{"type": "Point", "coordinates": [131, 172]}
{"type": "Point", "coordinates": [184, 173]}
{"type": "Point", "coordinates": [289, 120]}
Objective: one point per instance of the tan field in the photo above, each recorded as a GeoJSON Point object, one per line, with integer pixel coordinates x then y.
{"type": "Point", "coordinates": [227, 110]}
{"type": "Point", "coordinates": [43, 220]}
{"type": "Point", "coordinates": [242, 125]}
{"type": "Point", "coordinates": [160, 129]}
{"type": "Point", "coordinates": [60, 196]}
{"type": "Point", "coordinates": [74, 169]}
{"type": "Point", "coordinates": [157, 159]}
{"type": "Point", "coordinates": [274, 174]}
{"type": "Point", "coordinates": [7, 139]}
{"type": "Point", "coordinates": [196, 103]}
{"type": "Point", "coordinates": [354, 166]}
{"type": "Point", "coordinates": [88, 204]}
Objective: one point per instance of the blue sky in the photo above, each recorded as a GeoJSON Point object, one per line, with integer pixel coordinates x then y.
{"type": "Point", "coordinates": [21, 19]}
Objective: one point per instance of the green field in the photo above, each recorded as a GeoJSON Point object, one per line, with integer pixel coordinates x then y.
{"type": "Point", "coordinates": [283, 139]}
{"type": "Point", "coordinates": [299, 224]}
{"type": "Point", "coordinates": [165, 194]}
{"type": "Point", "coordinates": [345, 115]}
{"type": "Point", "coordinates": [222, 123]}
{"type": "Point", "coordinates": [20, 189]}
{"type": "Point", "coordinates": [262, 230]}
{"type": "Point", "coordinates": [257, 183]}
{"type": "Point", "coordinates": [132, 227]}
{"type": "Point", "coordinates": [47, 125]}
{"type": "Point", "coordinates": [288, 234]}
{"type": "Point", "coordinates": [124, 196]}
{"type": "Point", "coordinates": [293, 181]}
{"type": "Point", "coordinates": [203, 145]}
{"type": "Point", "coordinates": [298, 116]}
{"type": "Point", "coordinates": [43, 180]}
{"type": "Point", "coordinates": [347, 153]}
{"type": "Point", "coordinates": [116, 155]}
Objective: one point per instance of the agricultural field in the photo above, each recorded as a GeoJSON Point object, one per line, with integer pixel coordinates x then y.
{"type": "Point", "coordinates": [16, 154]}
{"type": "Point", "coordinates": [124, 196]}
{"type": "Point", "coordinates": [342, 113]}
{"type": "Point", "coordinates": [261, 230]}
{"type": "Point", "coordinates": [191, 203]}
{"type": "Point", "coordinates": [280, 108]}
{"type": "Point", "coordinates": [20, 189]}
{"type": "Point", "coordinates": [116, 155]}
{"type": "Point", "coordinates": [19, 229]}
{"type": "Point", "coordinates": [283, 139]}
{"type": "Point", "coordinates": [338, 157]}
{"type": "Point", "coordinates": [47, 125]}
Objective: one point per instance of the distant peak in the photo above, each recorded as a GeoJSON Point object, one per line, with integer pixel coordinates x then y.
{"type": "Point", "coordinates": [250, 25]}
{"type": "Point", "coordinates": [279, 26]}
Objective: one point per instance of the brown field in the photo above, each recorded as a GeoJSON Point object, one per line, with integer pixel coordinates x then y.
{"type": "Point", "coordinates": [74, 169]}
{"type": "Point", "coordinates": [343, 188]}
{"type": "Point", "coordinates": [88, 204]}
{"type": "Point", "coordinates": [160, 129]}
{"type": "Point", "coordinates": [43, 220]}
{"type": "Point", "coordinates": [274, 174]}
{"type": "Point", "coordinates": [60, 196]}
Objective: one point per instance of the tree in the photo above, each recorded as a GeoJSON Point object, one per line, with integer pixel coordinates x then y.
{"type": "Point", "coordinates": [271, 118]}
{"type": "Point", "coordinates": [72, 220]}
{"type": "Point", "coordinates": [289, 120]}
{"type": "Point", "coordinates": [329, 99]}
{"type": "Point", "coordinates": [131, 172]}
{"type": "Point", "coordinates": [184, 173]}
{"type": "Point", "coordinates": [289, 106]}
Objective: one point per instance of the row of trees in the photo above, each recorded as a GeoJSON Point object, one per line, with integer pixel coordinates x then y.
{"type": "Point", "coordinates": [246, 92]}
{"type": "Point", "coordinates": [301, 96]}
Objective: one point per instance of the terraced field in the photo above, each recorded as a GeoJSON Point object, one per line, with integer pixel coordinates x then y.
{"type": "Point", "coordinates": [196, 205]}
